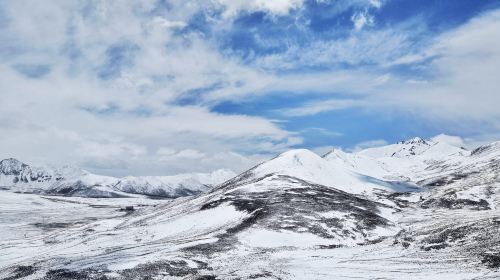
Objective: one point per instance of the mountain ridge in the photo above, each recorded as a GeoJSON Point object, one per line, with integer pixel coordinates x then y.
{"type": "Point", "coordinates": [403, 161]}
{"type": "Point", "coordinates": [72, 181]}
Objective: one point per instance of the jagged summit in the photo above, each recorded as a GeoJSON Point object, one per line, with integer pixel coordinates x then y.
{"type": "Point", "coordinates": [413, 147]}
{"type": "Point", "coordinates": [12, 166]}
{"type": "Point", "coordinates": [13, 171]}
{"type": "Point", "coordinates": [414, 140]}
{"type": "Point", "coordinates": [9, 161]}
{"type": "Point", "coordinates": [399, 150]}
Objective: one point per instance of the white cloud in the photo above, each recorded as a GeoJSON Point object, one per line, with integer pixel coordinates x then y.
{"type": "Point", "coordinates": [470, 142]}
{"type": "Point", "coordinates": [109, 150]}
{"type": "Point", "coordinates": [274, 7]}
{"type": "Point", "coordinates": [167, 23]}
{"type": "Point", "coordinates": [71, 116]}
{"type": "Point", "coordinates": [360, 19]}
{"type": "Point", "coordinates": [163, 151]}
{"type": "Point", "coordinates": [464, 85]}
{"type": "Point", "coordinates": [280, 7]}
{"type": "Point", "coordinates": [170, 154]}
{"type": "Point", "coordinates": [322, 150]}
{"type": "Point", "coordinates": [475, 141]}
{"type": "Point", "coordinates": [376, 3]}
{"type": "Point", "coordinates": [369, 144]}
{"type": "Point", "coordinates": [458, 87]}
{"type": "Point", "coordinates": [321, 106]}
{"type": "Point", "coordinates": [378, 47]}
{"type": "Point", "coordinates": [456, 141]}
{"type": "Point", "coordinates": [118, 126]}
{"type": "Point", "coordinates": [190, 154]}
{"type": "Point", "coordinates": [322, 131]}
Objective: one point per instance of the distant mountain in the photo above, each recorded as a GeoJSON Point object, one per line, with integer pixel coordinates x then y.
{"type": "Point", "coordinates": [72, 181]}
{"type": "Point", "coordinates": [414, 147]}
{"type": "Point", "coordinates": [173, 186]}
{"type": "Point", "coordinates": [405, 160]}
{"type": "Point", "coordinates": [449, 176]}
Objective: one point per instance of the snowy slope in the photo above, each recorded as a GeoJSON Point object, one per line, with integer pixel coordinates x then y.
{"type": "Point", "coordinates": [308, 166]}
{"type": "Point", "coordinates": [466, 182]}
{"type": "Point", "coordinates": [72, 181]}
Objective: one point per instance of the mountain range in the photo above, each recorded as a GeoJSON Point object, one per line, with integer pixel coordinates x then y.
{"type": "Point", "coordinates": [417, 209]}
{"type": "Point", "coordinates": [72, 181]}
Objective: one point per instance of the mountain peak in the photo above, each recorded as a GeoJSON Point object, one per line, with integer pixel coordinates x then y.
{"type": "Point", "coordinates": [10, 161]}
{"type": "Point", "coordinates": [329, 153]}
{"type": "Point", "coordinates": [298, 157]}
{"type": "Point", "coordinates": [11, 166]}
{"type": "Point", "coordinates": [336, 154]}
{"type": "Point", "coordinates": [403, 149]}
{"type": "Point", "coordinates": [414, 140]}
{"type": "Point", "coordinates": [293, 163]}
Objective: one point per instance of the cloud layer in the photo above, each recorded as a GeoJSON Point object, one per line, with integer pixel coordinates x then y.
{"type": "Point", "coordinates": [144, 87]}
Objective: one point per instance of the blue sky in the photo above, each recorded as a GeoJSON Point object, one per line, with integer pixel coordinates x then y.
{"type": "Point", "coordinates": [160, 87]}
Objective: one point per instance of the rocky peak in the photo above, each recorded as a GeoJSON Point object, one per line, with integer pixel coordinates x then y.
{"type": "Point", "coordinates": [12, 166]}
{"type": "Point", "coordinates": [413, 141]}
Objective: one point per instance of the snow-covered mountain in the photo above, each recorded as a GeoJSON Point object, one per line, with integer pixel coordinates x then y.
{"type": "Point", "coordinates": [465, 177]}
{"type": "Point", "coordinates": [13, 171]}
{"type": "Point", "coordinates": [308, 166]}
{"type": "Point", "coordinates": [72, 181]}
{"type": "Point", "coordinates": [417, 209]}
{"type": "Point", "coordinates": [173, 186]}
{"type": "Point", "coordinates": [405, 160]}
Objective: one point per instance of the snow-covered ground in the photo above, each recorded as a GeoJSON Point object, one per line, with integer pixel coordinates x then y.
{"type": "Point", "coordinates": [412, 210]}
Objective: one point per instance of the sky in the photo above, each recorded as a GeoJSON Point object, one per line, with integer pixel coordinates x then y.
{"type": "Point", "coordinates": [159, 87]}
